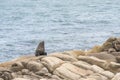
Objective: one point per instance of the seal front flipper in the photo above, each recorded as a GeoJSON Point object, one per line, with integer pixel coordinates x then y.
{"type": "Point", "coordinates": [40, 49]}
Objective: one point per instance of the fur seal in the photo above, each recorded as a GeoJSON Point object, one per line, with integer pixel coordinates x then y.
{"type": "Point", "coordinates": [40, 49]}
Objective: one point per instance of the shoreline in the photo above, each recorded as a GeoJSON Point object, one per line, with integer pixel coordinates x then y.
{"type": "Point", "coordinates": [99, 63]}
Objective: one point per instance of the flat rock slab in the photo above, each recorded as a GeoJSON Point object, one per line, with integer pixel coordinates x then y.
{"type": "Point", "coordinates": [20, 79]}
{"type": "Point", "coordinates": [94, 61]}
{"type": "Point", "coordinates": [51, 63]}
{"type": "Point", "coordinates": [116, 77]}
{"type": "Point", "coordinates": [64, 57]}
{"type": "Point", "coordinates": [70, 71]}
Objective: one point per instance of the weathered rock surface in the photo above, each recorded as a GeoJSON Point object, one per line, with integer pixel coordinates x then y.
{"type": "Point", "coordinates": [68, 65]}
{"type": "Point", "coordinates": [62, 67]}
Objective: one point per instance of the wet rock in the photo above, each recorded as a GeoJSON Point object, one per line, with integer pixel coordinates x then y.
{"type": "Point", "coordinates": [116, 77]}
{"type": "Point", "coordinates": [17, 66]}
{"type": "Point", "coordinates": [64, 57]}
{"type": "Point", "coordinates": [51, 63]}
{"type": "Point", "coordinates": [34, 66]}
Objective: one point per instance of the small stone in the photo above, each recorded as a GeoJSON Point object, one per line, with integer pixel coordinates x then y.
{"type": "Point", "coordinates": [25, 71]}
{"type": "Point", "coordinates": [14, 75]}
{"type": "Point", "coordinates": [17, 66]}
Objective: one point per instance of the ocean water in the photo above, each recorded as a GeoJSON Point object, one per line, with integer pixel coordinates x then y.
{"type": "Point", "coordinates": [62, 24]}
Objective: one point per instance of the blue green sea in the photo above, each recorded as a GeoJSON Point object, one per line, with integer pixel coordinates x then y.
{"type": "Point", "coordinates": [62, 24]}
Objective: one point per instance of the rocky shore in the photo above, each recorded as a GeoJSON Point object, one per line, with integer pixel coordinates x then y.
{"type": "Point", "coordinates": [100, 63]}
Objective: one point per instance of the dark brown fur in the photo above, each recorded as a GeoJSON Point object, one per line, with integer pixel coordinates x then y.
{"type": "Point", "coordinates": [40, 49]}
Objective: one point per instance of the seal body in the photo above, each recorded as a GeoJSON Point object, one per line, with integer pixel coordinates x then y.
{"type": "Point", "coordinates": [40, 49]}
